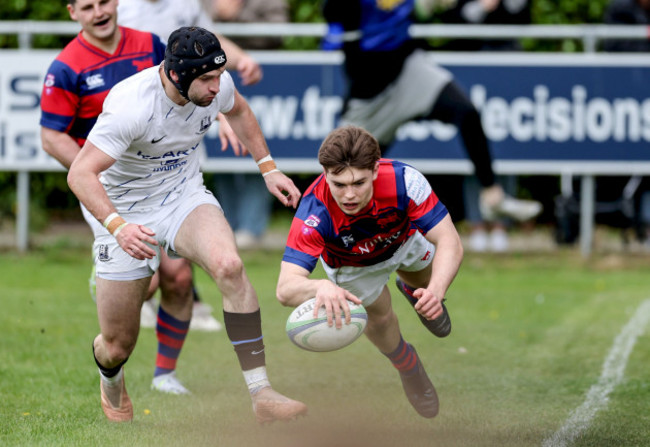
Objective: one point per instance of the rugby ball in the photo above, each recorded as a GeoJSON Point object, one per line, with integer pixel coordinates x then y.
{"type": "Point", "coordinates": [313, 334]}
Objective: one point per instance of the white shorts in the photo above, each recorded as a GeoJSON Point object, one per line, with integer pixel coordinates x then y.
{"type": "Point", "coordinates": [411, 96]}
{"type": "Point", "coordinates": [111, 262]}
{"type": "Point", "coordinates": [368, 282]}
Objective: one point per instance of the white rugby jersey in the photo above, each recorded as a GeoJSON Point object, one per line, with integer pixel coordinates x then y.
{"type": "Point", "coordinates": [162, 17]}
{"type": "Point", "coordinates": [153, 140]}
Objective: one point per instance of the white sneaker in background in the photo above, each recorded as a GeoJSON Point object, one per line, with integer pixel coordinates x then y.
{"type": "Point", "coordinates": [202, 319]}
{"type": "Point", "coordinates": [168, 383]}
{"type": "Point", "coordinates": [499, 242]}
{"type": "Point", "coordinates": [518, 209]}
{"type": "Point", "coordinates": [149, 314]}
{"type": "Point", "coordinates": [521, 210]}
{"type": "Point", "coordinates": [246, 240]}
{"type": "Point", "coordinates": [478, 241]}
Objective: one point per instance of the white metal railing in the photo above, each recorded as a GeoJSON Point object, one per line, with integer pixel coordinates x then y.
{"type": "Point", "coordinates": [589, 34]}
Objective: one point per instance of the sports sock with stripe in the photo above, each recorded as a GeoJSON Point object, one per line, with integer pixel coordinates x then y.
{"type": "Point", "coordinates": [245, 333]}
{"type": "Point", "coordinates": [404, 358]}
{"type": "Point", "coordinates": [171, 335]}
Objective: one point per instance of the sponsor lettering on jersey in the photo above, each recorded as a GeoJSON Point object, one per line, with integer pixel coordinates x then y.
{"type": "Point", "coordinates": [376, 243]}
{"type": "Point", "coordinates": [170, 154]}
{"type": "Point", "coordinates": [170, 165]}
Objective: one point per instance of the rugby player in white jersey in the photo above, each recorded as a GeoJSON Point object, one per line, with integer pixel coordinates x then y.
{"type": "Point", "coordinates": [138, 174]}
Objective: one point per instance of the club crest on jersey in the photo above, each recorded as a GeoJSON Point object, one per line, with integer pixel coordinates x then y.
{"type": "Point", "coordinates": [205, 124]}
{"type": "Point", "coordinates": [312, 221]}
{"type": "Point", "coordinates": [49, 80]}
{"type": "Point", "coordinates": [347, 240]}
{"type": "Point", "coordinates": [94, 81]}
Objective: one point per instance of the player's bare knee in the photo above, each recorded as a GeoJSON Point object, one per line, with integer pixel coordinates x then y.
{"type": "Point", "coordinates": [117, 351]}
{"type": "Point", "coordinates": [178, 286]}
{"type": "Point", "coordinates": [380, 322]}
{"type": "Point", "coordinates": [226, 268]}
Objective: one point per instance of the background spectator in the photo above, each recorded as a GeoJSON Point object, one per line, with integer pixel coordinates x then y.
{"type": "Point", "coordinates": [627, 12]}
{"type": "Point", "coordinates": [249, 211]}
{"type": "Point", "coordinates": [487, 12]}
{"type": "Point", "coordinates": [486, 236]}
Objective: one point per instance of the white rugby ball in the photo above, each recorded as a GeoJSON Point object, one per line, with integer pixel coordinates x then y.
{"type": "Point", "coordinates": [313, 334]}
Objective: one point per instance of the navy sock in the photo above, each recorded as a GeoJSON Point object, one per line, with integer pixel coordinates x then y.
{"type": "Point", "coordinates": [404, 358]}
{"type": "Point", "coordinates": [171, 334]}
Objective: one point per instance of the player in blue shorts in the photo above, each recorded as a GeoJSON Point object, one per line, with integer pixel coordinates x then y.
{"type": "Point", "coordinates": [366, 217]}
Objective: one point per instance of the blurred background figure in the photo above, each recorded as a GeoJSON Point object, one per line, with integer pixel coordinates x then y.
{"type": "Point", "coordinates": [249, 211]}
{"type": "Point", "coordinates": [162, 17]}
{"type": "Point", "coordinates": [631, 12]}
{"type": "Point", "coordinates": [391, 81]}
{"type": "Point", "coordinates": [251, 11]}
{"type": "Point", "coordinates": [487, 12]}
{"type": "Point", "coordinates": [627, 12]}
{"type": "Point", "coordinates": [486, 235]}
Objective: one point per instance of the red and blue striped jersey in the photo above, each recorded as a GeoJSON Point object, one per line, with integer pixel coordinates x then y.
{"type": "Point", "coordinates": [402, 203]}
{"type": "Point", "coordinates": [81, 76]}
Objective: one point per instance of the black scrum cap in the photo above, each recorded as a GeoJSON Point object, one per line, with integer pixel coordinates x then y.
{"type": "Point", "coordinates": [192, 51]}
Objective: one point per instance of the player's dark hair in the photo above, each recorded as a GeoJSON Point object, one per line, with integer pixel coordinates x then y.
{"type": "Point", "coordinates": [349, 147]}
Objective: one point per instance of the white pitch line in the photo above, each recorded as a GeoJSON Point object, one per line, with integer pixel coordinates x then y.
{"type": "Point", "coordinates": [612, 375]}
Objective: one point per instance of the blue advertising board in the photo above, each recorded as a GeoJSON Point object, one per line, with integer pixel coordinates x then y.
{"type": "Point", "coordinates": [543, 113]}
{"type": "Point", "coordinates": [551, 110]}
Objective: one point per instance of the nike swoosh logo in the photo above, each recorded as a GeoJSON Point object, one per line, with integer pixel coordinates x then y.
{"type": "Point", "coordinates": [154, 141]}
{"type": "Point", "coordinates": [257, 352]}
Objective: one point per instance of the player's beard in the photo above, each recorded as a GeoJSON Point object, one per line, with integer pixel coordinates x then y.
{"type": "Point", "coordinates": [203, 101]}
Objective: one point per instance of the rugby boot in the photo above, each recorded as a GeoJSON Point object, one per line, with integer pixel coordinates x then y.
{"type": "Point", "coordinates": [420, 391]}
{"type": "Point", "coordinates": [269, 406]}
{"type": "Point", "coordinates": [118, 407]}
{"type": "Point", "coordinates": [169, 383]}
{"type": "Point", "coordinates": [441, 326]}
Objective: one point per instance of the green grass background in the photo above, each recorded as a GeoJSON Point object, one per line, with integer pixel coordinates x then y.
{"type": "Point", "coordinates": [530, 334]}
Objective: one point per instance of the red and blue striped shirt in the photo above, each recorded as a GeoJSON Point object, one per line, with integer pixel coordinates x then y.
{"type": "Point", "coordinates": [81, 76]}
{"type": "Point", "coordinates": [402, 203]}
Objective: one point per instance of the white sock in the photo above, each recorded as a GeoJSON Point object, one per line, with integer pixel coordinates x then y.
{"type": "Point", "coordinates": [112, 381]}
{"type": "Point", "coordinates": [256, 379]}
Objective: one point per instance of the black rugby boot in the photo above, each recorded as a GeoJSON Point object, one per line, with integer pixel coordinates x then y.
{"type": "Point", "coordinates": [441, 326]}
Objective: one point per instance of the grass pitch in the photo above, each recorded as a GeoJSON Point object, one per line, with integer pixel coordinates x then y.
{"type": "Point", "coordinates": [530, 335]}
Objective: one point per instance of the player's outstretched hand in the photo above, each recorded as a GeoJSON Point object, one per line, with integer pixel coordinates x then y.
{"type": "Point", "coordinates": [334, 299]}
{"type": "Point", "coordinates": [250, 72]}
{"type": "Point", "coordinates": [428, 305]}
{"type": "Point", "coordinates": [227, 136]}
{"type": "Point", "coordinates": [283, 188]}
{"type": "Point", "coordinates": [136, 239]}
